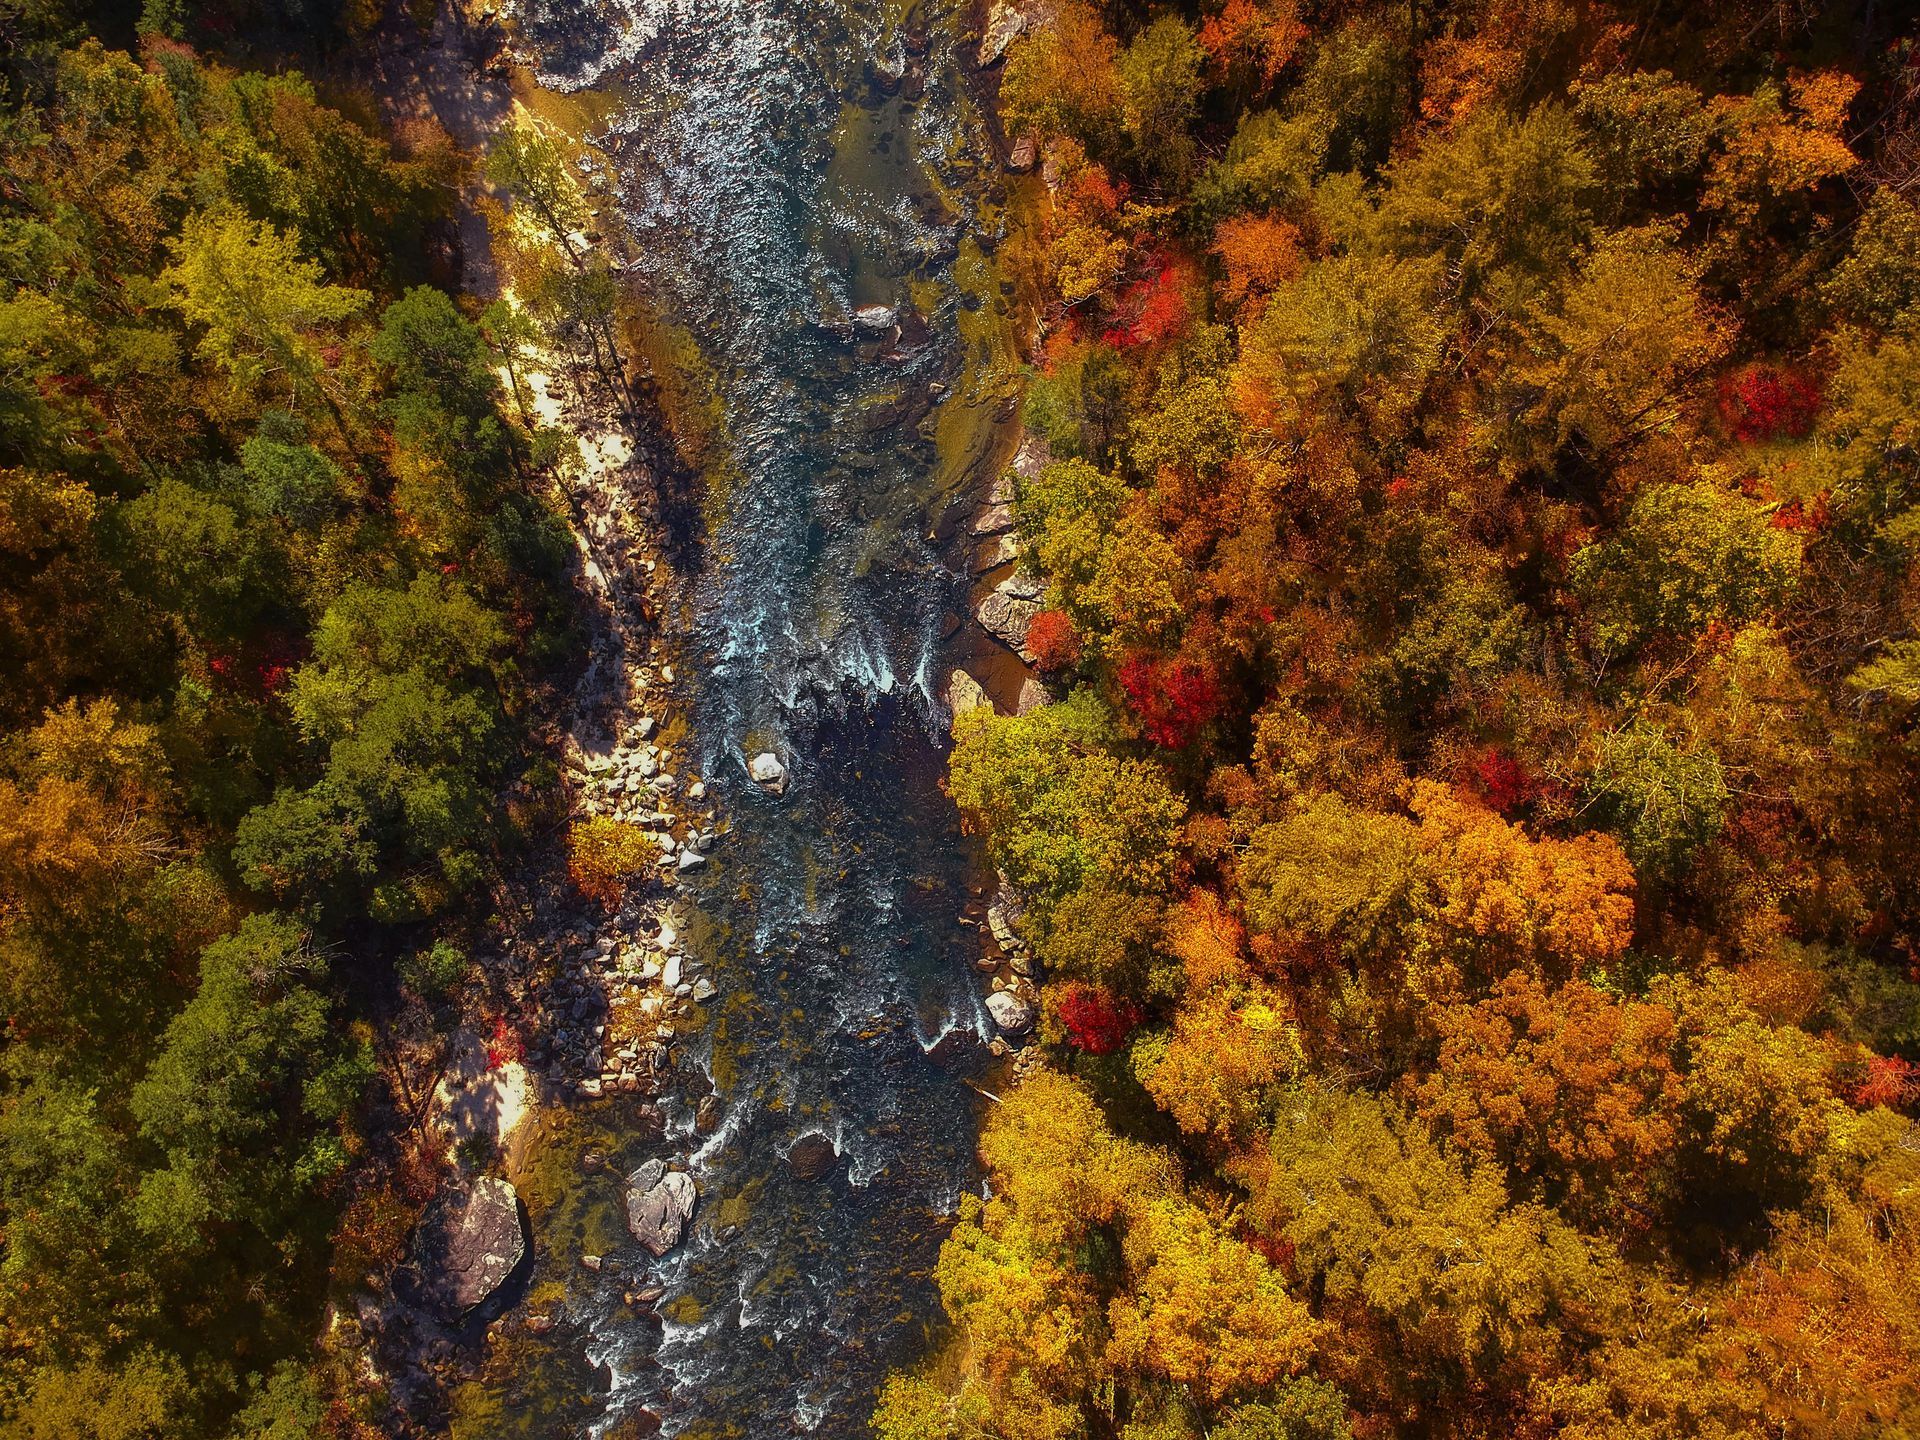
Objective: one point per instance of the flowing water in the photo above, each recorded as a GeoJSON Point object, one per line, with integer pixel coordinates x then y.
{"type": "Point", "coordinates": [780, 164]}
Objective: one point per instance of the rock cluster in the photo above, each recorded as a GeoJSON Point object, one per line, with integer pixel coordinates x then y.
{"type": "Point", "coordinates": [1013, 997]}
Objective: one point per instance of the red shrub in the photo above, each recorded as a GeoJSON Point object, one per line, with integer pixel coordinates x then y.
{"type": "Point", "coordinates": [1174, 699]}
{"type": "Point", "coordinates": [503, 1045]}
{"type": "Point", "coordinates": [1157, 308]}
{"type": "Point", "coordinates": [1097, 1020]}
{"type": "Point", "coordinates": [1804, 519]}
{"type": "Point", "coordinates": [1764, 403]}
{"type": "Point", "coordinates": [1053, 640]}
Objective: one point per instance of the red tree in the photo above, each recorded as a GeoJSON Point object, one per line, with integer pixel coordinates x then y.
{"type": "Point", "coordinates": [1053, 640]}
{"type": "Point", "coordinates": [1174, 699]}
{"type": "Point", "coordinates": [1097, 1020]}
{"type": "Point", "coordinates": [1764, 403]}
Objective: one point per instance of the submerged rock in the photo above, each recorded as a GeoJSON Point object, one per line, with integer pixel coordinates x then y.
{"type": "Point", "coordinates": [811, 1157]}
{"type": "Point", "coordinates": [484, 1243]}
{"type": "Point", "coordinates": [766, 769]}
{"type": "Point", "coordinates": [659, 1204]}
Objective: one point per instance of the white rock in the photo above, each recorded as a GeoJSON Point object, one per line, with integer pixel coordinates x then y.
{"type": "Point", "coordinates": [766, 769]}
{"type": "Point", "coordinates": [691, 860]}
{"type": "Point", "coordinates": [1010, 1012]}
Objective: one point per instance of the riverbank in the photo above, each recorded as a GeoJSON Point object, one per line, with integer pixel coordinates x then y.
{"type": "Point", "coordinates": [564, 1051]}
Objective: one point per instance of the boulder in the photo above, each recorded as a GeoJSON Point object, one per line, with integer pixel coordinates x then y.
{"type": "Point", "coordinates": [1033, 455]}
{"type": "Point", "coordinates": [1010, 1012]}
{"type": "Point", "coordinates": [1006, 618]}
{"type": "Point", "coordinates": [1004, 912]}
{"type": "Point", "coordinates": [766, 769]}
{"type": "Point", "coordinates": [994, 552]}
{"type": "Point", "coordinates": [707, 1117]}
{"type": "Point", "coordinates": [1005, 21]}
{"type": "Point", "coordinates": [964, 693]}
{"type": "Point", "coordinates": [811, 1157]}
{"type": "Point", "coordinates": [690, 860]}
{"type": "Point", "coordinates": [659, 1204]}
{"type": "Point", "coordinates": [484, 1243]}
{"type": "Point", "coordinates": [1025, 152]}
{"type": "Point", "coordinates": [1023, 584]}
{"type": "Point", "coordinates": [992, 520]}
{"type": "Point", "coordinates": [1033, 696]}
{"type": "Point", "coordinates": [876, 317]}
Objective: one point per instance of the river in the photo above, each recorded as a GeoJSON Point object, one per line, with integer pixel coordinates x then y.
{"type": "Point", "coordinates": [778, 167]}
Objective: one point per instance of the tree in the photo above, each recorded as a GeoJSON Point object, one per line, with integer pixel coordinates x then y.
{"type": "Point", "coordinates": [1062, 78]}
{"type": "Point", "coordinates": [1202, 1309]}
{"type": "Point", "coordinates": [1664, 800]}
{"type": "Point", "coordinates": [1066, 818]}
{"type": "Point", "coordinates": [1505, 200]}
{"type": "Point", "coordinates": [1879, 282]}
{"type": "Point", "coordinates": [1354, 336]}
{"type": "Point", "coordinates": [242, 1075]}
{"type": "Point", "coordinates": [1611, 357]}
{"type": "Point", "coordinates": [1757, 1099]}
{"type": "Point", "coordinates": [263, 307]}
{"type": "Point", "coordinates": [401, 692]}
{"type": "Point", "coordinates": [1688, 555]}
{"type": "Point", "coordinates": [526, 162]}
{"type": "Point", "coordinates": [1216, 1074]}
{"type": "Point", "coordinates": [1382, 1217]}
{"type": "Point", "coordinates": [1566, 1087]}
{"type": "Point", "coordinates": [1159, 75]}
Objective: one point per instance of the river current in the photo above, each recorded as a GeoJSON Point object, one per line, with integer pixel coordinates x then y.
{"type": "Point", "coordinates": [781, 169]}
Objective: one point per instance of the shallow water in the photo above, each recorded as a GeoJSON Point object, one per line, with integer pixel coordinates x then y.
{"type": "Point", "coordinates": [774, 177]}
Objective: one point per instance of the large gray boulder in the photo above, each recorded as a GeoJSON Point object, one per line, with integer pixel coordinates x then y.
{"type": "Point", "coordinates": [1005, 21]}
{"type": "Point", "coordinates": [484, 1244]}
{"type": "Point", "coordinates": [659, 1204]}
{"type": "Point", "coordinates": [1006, 618]}
{"type": "Point", "coordinates": [964, 693]}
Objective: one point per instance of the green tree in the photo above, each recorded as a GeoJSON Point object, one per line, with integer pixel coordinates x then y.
{"type": "Point", "coordinates": [263, 308]}
{"type": "Point", "coordinates": [1160, 86]}
{"type": "Point", "coordinates": [1663, 800]}
{"type": "Point", "coordinates": [1068, 820]}
{"type": "Point", "coordinates": [1687, 556]}
{"type": "Point", "coordinates": [245, 1077]}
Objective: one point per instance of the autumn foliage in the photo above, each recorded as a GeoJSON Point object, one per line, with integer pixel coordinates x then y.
{"type": "Point", "coordinates": [1173, 699]}
{"type": "Point", "coordinates": [1482, 499]}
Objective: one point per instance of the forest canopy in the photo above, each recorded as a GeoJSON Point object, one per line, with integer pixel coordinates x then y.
{"type": "Point", "coordinates": [280, 570]}
{"type": "Point", "coordinates": [1470, 850]}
